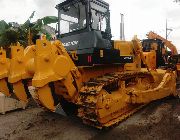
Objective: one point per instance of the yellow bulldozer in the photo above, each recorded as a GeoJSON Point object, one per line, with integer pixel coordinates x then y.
{"type": "Point", "coordinates": [168, 45]}
{"type": "Point", "coordinates": [85, 72]}
{"type": "Point", "coordinates": [14, 92]}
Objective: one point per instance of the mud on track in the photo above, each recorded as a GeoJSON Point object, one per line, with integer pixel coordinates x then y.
{"type": "Point", "coordinates": [158, 120]}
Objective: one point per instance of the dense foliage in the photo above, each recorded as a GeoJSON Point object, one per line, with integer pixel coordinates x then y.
{"type": "Point", "coordinates": [11, 33]}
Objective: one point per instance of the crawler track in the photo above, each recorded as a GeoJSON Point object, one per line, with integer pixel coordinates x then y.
{"type": "Point", "coordinates": [91, 91]}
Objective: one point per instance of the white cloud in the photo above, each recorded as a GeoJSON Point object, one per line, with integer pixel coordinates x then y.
{"type": "Point", "coordinates": [18, 10]}
{"type": "Point", "coordinates": [141, 16]}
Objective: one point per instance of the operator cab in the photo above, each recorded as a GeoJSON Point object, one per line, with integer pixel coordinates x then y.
{"type": "Point", "coordinates": [77, 16]}
{"type": "Point", "coordinates": [84, 29]}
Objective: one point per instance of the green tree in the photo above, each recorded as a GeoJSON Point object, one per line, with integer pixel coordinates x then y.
{"type": "Point", "coordinates": [11, 33]}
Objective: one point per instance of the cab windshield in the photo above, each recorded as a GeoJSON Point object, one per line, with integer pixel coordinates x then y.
{"type": "Point", "coordinates": [99, 17]}
{"type": "Point", "coordinates": [72, 17]}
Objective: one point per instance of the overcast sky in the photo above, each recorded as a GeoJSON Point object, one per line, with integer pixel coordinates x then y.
{"type": "Point", "coordinates": [141, 16]}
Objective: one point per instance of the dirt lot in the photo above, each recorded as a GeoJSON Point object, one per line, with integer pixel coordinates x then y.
{"type": "Point", "coordinates": [158, 120]}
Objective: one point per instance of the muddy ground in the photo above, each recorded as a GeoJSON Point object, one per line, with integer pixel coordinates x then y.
{"type": "Point", "coordinates": [158, 120]}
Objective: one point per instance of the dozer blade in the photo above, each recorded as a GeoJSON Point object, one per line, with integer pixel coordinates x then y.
{"type": "Point", "coordinates": [165, 88]}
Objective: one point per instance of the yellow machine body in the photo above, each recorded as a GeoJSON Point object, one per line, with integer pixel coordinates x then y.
{"type": "Point", "coordinates": [21, 63]}
{"type": "Point", "coordinates": [126, 49]}
{"type": "Point", "coordinates": [21, 68]}
{"type": "Point", "coordinates": [104, 95]}
{"type": "Point", "coordinates": [15, 73]}
{"type": "Point", "coordinates": [168, 44]}
{"type": "Point", "coordinates": [4, 71]}
{"type": "Point", "coordinates": [150, 58]}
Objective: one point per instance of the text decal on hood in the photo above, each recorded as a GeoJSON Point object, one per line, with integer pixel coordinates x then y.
{"type": "Point", "coordinates": [72, 43]}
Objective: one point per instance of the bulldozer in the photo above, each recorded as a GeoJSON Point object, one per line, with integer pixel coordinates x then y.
{"type": "Point", "coordinates": [92, 76]}
{"type": "Point", "coordinates": [167, 43]}
{"type": "Point", "coordinates": [14, 79]}
{"type": "Point", "coordinates": [86, 73]}
{"type": "Point", "coordinates": [164, 56]}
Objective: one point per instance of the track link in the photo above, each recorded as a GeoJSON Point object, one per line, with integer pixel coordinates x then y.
{"type": "Point", "coordinates": [90, 93]}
